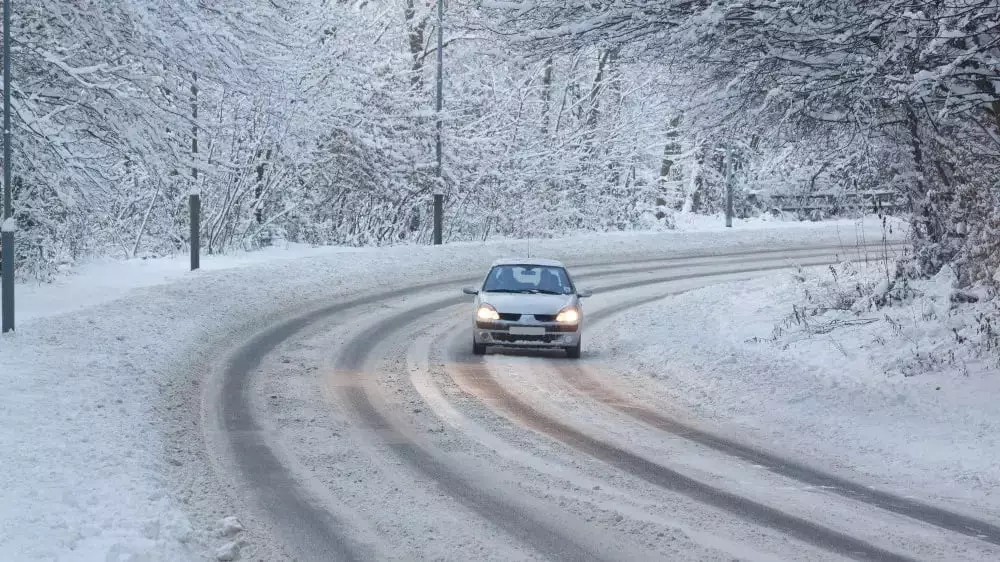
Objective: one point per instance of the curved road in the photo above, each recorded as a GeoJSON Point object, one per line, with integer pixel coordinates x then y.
{"type": "Point", "coordinates": [366, 429]}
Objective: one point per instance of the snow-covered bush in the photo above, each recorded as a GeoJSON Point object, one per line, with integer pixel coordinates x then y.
{"type": "Point", "coordinates": [916, 325]}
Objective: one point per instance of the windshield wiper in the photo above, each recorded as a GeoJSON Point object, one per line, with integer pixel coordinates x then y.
{"type": "Point", "coordinates": [524, 291]}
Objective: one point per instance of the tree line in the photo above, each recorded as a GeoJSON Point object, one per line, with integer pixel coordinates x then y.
{"type": "Point", "coordinates": [313, 121]}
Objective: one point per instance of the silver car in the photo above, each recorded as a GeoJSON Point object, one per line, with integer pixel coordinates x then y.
{"type": "Point", "coordinates": [527, 303]}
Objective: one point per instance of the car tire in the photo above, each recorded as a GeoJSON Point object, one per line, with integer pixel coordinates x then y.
{"type": "Point", "coordinates": [478, 348]}
{"type": "Point", "coordinates": [573, 352]}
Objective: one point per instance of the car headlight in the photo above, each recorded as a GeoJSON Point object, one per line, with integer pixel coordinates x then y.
{"type": "Point", "coordinates": [568, 316]}
{"type": "Point", "coordinates": [487, 312]}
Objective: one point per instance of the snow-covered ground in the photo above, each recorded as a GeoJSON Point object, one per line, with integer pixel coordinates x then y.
{"type": "Point", "coordinates": [92, 381]}
{"type": "Point", "coordinates": [106, 280]}
{"type": "Point", "coordinates": [806, 364]}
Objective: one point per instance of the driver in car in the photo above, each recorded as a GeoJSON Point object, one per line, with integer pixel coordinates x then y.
{"type": "Point", "coordinates": [550, 282]}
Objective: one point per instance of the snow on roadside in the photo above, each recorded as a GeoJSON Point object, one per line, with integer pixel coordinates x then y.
{"type": "Point", "coordinates": [94, 374]}
{"type": "Point", "coordinates": [105, 280]}
{"type": "Point", "coordinates": [903, 395]}
{"type": "Point", "coordinates": [696, 222]}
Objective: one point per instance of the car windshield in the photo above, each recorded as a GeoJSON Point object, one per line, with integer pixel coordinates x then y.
{"type": "Point", "coordinates": [528, 279]}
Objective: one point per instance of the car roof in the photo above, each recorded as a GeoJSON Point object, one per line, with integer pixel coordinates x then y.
{"type": "Point", "coordinates": [541, 262]}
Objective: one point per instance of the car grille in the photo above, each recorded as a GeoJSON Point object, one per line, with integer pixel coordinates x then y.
{"type": "Point", "coordinates": [547, 338]}
{"type": "Point", "coordinates": [545, 317]}
{"type": "Point", "coordinates": [552, 329]}
{"type": "Point", "coordinates": [510, 317]}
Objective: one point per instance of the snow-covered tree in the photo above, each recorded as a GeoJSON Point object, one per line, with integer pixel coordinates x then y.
{"type": "Point", "coordinates": [314, 121]}
{"type": "Point", "coordinates": [897, 94]}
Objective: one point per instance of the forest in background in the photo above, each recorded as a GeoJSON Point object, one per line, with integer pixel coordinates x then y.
{"type": "Point", "coordinates": [314, 121]}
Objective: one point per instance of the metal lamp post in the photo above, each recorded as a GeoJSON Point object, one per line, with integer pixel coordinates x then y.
{"type": "Point", "coordinates": [7, 235]}
{"type": "Point", "coordinates": [438, 195]}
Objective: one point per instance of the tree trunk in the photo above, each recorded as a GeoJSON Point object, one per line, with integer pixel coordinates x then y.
{"type": "Point", "coordinates": [670, 149]}
{"type": "Point", "coordinates": [415, 31]}
{"type": "Point", "coordinates": [546, 96]}
{"type": "Point", "coordinates": [595, 89]}
{"type": "Point", "coordinates": [259, 188]}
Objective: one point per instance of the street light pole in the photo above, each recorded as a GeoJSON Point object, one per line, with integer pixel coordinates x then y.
{"type": "Point", "coordinates": [8, 227]}
{"type": "Point", "coordinates": [438, 195]}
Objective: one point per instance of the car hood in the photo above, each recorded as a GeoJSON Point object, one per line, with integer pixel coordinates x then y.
{"type": "Point", "coordinates": [526, 303]}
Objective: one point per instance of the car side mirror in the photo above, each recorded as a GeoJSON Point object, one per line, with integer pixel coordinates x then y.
{"type": "Point", "coordinates": [584, 293]}
{"type": "Point", "coordinates": [470, 290]}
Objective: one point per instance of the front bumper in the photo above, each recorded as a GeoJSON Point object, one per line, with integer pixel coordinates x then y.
{"type": "Point", "coordinates": [547, 334]}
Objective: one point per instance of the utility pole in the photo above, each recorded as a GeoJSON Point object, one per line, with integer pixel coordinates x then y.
{"type": "Point", "coordinates": [439, 183]}
{"type": "Point", "coordinates": [194, 129]}
{"type": "Point", "coordinates": [7, 235]}
{"type": "Point", "coordinates": [729, 186]}
{"type": "Point", "coordinates": [194, 198]}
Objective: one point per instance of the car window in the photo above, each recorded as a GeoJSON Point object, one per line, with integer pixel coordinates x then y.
{"type": "Point", "coordinates": [528, 278]}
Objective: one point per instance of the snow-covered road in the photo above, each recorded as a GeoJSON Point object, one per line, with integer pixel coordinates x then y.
{"type": "Point", "coordinates": [365, 428]}
{"type": "Point", "coordinates": [327, 398]}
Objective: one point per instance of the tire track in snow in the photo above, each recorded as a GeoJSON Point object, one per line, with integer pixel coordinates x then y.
{"type": "Point", "coordinates": [476, 377]}
{"type": "Point", "coordinates": [514, 519]}
{"type": "Point", "coordinates": [586, 384]}
{"type": "Point", "coordinates": [634, 503]}
{"type": "Point", "coordinates": [250, 456]}
{"type": "Point", "coordinates": [315, 532]}
{"type": "Point", "coordinates": [486, 388]}
{"type": "Point", "coordinates": [506, 513]}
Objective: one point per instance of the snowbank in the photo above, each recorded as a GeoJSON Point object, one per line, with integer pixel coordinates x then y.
{"type": "Point", "coordinates": [696, 222]}
{"type": "Point", "coordinates": [106, 280]}
{"type": "Point", "coordinates": [807, 364]}
{"type": "Point", "coordinates": [94, 465]}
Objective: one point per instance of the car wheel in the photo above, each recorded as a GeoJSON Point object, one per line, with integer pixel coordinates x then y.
{"type": "Point", "coordinates": [478, 348]}
{"type": "Point", "coordinates": [573, 352]}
